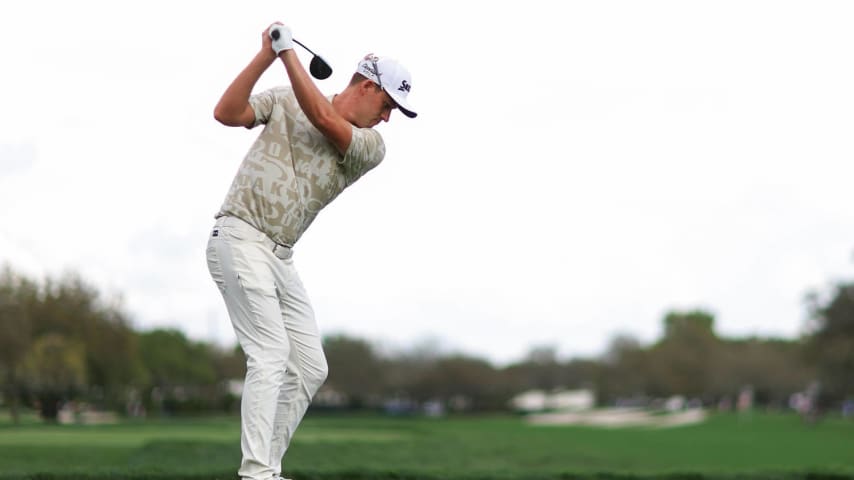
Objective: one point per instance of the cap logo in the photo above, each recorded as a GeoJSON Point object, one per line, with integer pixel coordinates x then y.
{"type": "Point", "coordinates": [404, 86]}
{"type": "Point", "coordinates": [375, 71]}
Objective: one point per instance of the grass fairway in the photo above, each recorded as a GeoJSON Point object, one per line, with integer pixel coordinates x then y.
{"type": "Point", "coordinates": [379, 448]}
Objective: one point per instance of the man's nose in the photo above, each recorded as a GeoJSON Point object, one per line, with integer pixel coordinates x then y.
{"type": "Point", "coordinates": [386, 115]}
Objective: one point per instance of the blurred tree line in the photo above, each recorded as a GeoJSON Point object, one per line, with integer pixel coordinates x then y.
{"type": "Point", "coordinates": [61, 342]}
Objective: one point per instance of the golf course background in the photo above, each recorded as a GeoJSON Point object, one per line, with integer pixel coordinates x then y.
{"type": "Point", "coordinates": [333, 447]}
{"type": "Point", "coordinates": [167, 407]}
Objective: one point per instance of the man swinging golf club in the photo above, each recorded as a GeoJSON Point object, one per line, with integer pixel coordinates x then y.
{"type": "Point", "coordinates": [311, 148]}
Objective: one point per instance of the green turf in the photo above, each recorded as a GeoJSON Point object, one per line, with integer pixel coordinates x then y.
{"type": "Point", "coordinates": [379, 448]}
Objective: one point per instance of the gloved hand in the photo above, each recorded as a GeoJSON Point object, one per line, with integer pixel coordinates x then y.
{"type": "Point", "coordinates": [282, 38]}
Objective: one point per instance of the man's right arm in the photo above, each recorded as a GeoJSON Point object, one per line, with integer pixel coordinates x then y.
{"type": "Point", "coordinates": [233, 108]}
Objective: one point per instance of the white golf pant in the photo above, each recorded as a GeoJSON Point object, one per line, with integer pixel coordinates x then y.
{"type": "Point", "coordinates": [275, 325]}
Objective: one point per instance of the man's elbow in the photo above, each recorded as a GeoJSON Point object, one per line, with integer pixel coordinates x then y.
{"type": "Point", "coordinates": [222, 115]}
{"type": "Point", "coordinates": [229, 116]}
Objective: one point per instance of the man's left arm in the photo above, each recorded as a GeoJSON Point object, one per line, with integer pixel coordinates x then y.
{"type": "Point", "coordinates": [317, 108]}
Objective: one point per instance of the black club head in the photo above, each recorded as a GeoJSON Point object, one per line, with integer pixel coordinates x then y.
{"type": "Point", "coordinates": [319, 68]}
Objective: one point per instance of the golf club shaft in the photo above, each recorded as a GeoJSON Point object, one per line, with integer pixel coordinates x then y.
{"type": "Point", "coordinates": [303, 46]}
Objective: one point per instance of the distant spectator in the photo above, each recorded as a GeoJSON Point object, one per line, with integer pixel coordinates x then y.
{"type": "Point", "coordinates": [745, 399]}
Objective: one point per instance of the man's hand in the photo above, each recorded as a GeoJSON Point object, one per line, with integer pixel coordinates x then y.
{"type": "Point", "coordinates": [281, 38]}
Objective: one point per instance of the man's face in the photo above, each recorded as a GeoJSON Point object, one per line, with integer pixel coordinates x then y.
{"type": "Point", "coordinates": [376, 107]}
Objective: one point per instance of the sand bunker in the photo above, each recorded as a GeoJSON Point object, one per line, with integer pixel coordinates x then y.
{"type": "Point", "coordinates": [620, 417]}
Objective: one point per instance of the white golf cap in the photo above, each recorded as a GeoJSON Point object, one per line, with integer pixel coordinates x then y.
{"type": "Point", "coordinates": [391, 76]}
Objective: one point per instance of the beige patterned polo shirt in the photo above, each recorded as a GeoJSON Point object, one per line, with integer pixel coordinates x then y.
{"type": "Point", "coordinates": [292, 171]}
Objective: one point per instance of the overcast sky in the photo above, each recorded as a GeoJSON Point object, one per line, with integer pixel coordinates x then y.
{"type": "Point", "coordinates": [577, 169]}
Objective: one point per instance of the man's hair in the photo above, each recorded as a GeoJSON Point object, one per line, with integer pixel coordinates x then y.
{"type": "Point", "coordinates": [359, 78]}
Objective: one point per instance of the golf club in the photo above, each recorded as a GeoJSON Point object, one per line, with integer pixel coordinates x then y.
{"type": "Point", "coordinates": [318, 67]}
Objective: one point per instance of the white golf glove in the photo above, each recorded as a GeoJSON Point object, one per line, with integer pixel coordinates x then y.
{"type": "Point", "coordinates": [282, 38]}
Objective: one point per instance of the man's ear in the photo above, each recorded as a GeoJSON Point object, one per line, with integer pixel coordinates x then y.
{"type": "Point", "coordinates": [367, 86]}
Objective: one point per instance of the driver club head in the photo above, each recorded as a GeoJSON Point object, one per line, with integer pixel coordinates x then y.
{"type": "Point", "coordinates": [319, 68]}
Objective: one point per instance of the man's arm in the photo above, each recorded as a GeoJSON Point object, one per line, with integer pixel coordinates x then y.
{"type": "Point", "coordinates": [233, 108]}
{"type": "Point", "coordinates": [317, 108]}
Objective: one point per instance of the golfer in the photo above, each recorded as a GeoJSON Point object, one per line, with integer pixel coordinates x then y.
{"type": "Point", "coordinates": [311, 148]}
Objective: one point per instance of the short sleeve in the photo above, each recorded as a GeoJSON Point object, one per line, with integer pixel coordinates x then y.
{"type": "Point", "coordinates": [365, 152]}
{"type": "Point", "coordinates": [262, 103]}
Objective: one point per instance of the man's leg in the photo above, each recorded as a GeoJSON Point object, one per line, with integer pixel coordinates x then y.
{"type": "Point", "coordinates": [241, 270]}
{"type": "Point", "coordinates": [307, 368]}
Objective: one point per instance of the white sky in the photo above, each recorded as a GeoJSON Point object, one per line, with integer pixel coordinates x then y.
{"type": "Point", "coordinates": [577, 169]}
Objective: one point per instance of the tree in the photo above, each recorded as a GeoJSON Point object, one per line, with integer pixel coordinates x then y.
{"type": "Point", "coordinates": [55, 367]}
{"type": "Point", "coordinates": [182, 373]}
{"type": "Point", "coordinates": [772, 368]}
{"type": "Point", "coordinates": [463, 383]}
{"type": "Point", "coordinates": [682, 361]}
{"type": "Point", "coordinates": [172, 359]}
{"type": "Point", "coordinates": [830, 347]}
{"type": "Point", "coordinates": [74, 309]}
{"type": "Point", "coordinates": [542, 370]}
{"type": "Point", "coordinates": [694, 324]}
{"type": "Point", "coordinates": [230, 364]}
{"type": "Point", "coordinates": [16, 295]}
{"type": "Point", "coordinates": [624, 370]}
{"type": "Point", "coordinates": [355, 370]}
